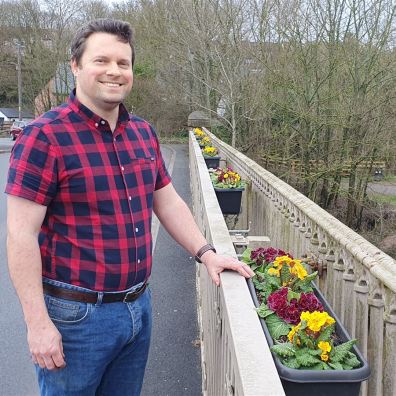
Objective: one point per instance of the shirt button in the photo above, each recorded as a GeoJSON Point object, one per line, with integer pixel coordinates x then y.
{"type": "Point", "coordinates": [137, 229]}
{"type": "Point", "coordinates": [115, 139]}
{"type": "Point", "coordinates": [138, 261]}
{"type": "Point", "coordinates": [103, 122]}
{"type": "Point", "coordinates": [96, 124]}
{"type": "Point", "coordinates": [130, 198]}
{"type": "Point", "coordinates": [122, 168]}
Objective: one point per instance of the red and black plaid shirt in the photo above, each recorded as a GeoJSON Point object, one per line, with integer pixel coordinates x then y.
{"type": "Point", "coordinates": [98, 188]}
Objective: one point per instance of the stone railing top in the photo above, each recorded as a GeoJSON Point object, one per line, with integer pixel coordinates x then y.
{"type": "Point", "coordinates": [381, 265]}
{"type": "Point", "coordinates": [251, 348]}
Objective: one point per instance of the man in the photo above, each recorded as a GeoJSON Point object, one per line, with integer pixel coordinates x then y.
{"type": "Point", "coordinates": [83, 181]}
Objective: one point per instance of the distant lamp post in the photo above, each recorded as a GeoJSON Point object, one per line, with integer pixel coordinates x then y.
{"type": "Point", "coordinates": [18, 67]}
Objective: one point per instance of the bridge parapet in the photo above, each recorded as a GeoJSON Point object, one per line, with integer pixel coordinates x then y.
{"type": "Point", "coordinates": [357, 278]}
{"type": "Point", "coordinates": [235, 356]}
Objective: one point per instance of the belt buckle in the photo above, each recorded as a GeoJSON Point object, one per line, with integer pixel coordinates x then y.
{"type": "Point", "coordinates": [126, 296]}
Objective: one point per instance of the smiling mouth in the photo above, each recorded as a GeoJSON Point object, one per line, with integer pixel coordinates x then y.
{"type": "Point", "coordinates": [111, 84]}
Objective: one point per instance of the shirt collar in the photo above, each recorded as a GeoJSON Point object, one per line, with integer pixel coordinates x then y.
{"type": "Point", "coordinates": [90, 116]}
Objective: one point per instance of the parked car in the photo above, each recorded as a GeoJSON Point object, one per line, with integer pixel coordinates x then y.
{"type": "Point", "coordinates": [16, 128]}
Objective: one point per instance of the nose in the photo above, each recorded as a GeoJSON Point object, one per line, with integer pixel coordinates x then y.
{"type": "Point", "coordinates": [113, 69]}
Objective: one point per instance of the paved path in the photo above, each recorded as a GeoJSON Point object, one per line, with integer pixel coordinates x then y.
{"type": "Point", "coordinates": [174, 362]}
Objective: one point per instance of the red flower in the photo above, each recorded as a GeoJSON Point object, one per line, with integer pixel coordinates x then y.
{"type": "Point", "coordinates": [267, 255]}
{"type": "Point", "coordinates": [290, 311]}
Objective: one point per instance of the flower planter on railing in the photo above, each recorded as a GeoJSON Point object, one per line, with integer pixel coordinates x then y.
{"type": "Point", "coordinates": [315, 356]}
{"type": "Point", "coordinates": [229, 199]}
{"type": "Point", "coordinates": [228, 187]}
{"type": "Point", "coordinates": [297, 382]}
{"type": "Point", "coordinates": [212, 162]}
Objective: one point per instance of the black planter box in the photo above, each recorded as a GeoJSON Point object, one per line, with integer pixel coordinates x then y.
{"type": "Point", "coordinates": [229, 199]}
{"type": "Point", "coordinates": [212, 162]}
{"type": "Point", "coordinates": [324, 382]}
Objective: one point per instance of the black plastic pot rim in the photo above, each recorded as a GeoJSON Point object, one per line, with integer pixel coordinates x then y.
{"type": "Point", "coordinates": [231, 189]}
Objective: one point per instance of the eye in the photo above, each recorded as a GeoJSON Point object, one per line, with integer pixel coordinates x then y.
{"type": "Point", "coordinates": [124, 65]}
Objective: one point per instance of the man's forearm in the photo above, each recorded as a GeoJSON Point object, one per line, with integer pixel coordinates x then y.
{"type": "Point", "coordinates": [25, 269]}
{"type": "Point", "coordinates": [179, 222]}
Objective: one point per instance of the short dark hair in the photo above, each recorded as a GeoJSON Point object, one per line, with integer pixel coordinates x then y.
{"type": "Point", "coordinates": [118, 28]}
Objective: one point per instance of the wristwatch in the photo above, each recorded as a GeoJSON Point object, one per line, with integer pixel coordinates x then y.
{"type": "Point", "coordinates": [203, 250]}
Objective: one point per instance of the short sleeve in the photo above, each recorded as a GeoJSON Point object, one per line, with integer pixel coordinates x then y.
{"type": "Point", "coordinates": [33, 167]}
{"type": "Point", "coordinates": [163, 177]}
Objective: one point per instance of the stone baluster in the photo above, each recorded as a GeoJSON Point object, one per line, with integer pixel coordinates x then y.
{"type": "Point", "coordinates": [375, 338]}
{"type": "Point", "coordinates": [389, 371]}
{"type": "Point", "coordinates": [361, 318]}
{"type": "Point", "coordinates": [348, 298]}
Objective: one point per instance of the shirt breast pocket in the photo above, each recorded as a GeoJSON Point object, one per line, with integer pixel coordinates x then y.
{"type": "Point", "coordinates": [144, 162]}
{"type": "Point", "coordinates": [145, 169]}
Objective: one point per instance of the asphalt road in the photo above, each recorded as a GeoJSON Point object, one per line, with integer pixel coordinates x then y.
{"type": "Point", "coordinates": [174, 362]}
{"type": "Point", "coordinates": [17, 377]}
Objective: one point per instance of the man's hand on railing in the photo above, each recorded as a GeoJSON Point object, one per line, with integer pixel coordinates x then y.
{"type": "Point", "coordinates": [216, 263]}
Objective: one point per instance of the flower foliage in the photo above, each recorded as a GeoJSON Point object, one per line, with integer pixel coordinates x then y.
{"type": "Point", "coordinates": [311, 346]}
{"type": "Point", "coordinates": [209, 151]}
{"type": "Point", "coordinates": [304, 333]}
{"type": "Point", "coordinates": [226, 178]}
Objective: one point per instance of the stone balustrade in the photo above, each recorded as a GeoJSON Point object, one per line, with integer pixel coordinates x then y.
{"type": "Point", "coordinates": [357, 278]}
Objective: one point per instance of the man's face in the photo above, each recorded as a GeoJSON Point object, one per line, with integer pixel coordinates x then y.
{"type": "Point", "coordinates": [104, 75]}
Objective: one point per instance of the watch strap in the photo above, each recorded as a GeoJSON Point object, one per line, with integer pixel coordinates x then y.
{"type": "Point", "coordinates": [203, 250]}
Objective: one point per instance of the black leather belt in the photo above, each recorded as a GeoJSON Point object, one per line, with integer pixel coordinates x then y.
{"type": "Point", "coordinates": [92, 297]}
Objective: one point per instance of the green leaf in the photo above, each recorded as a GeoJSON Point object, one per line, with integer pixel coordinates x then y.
{"type": "Point", "coordinates": [253, 266]}
{"type": "Point", "coordinates": [336, 366]}
{"type": "Point", "coordinates": [340, 352]}
{"type": "Point", "coordinates": [285, 274]}
{"type": "Point", "coordinates": [306, 359]}
{"type": "Point", "coordinates": [246, 256]}
{"type": "Point", "coordinates": [283, 349]}
{"type": "Point", "coordinates": [263, 311]}
{"type": "Point", "coordinates": [319, 366]}
{"type": "Point", "coordinates": [305, 284]}
{"type": "Point", "coordinates": [260, 286]}
{"type": "Point", "coordinates": [291, 363]}
{"type": "Point", "coordinates": [276, 326]}
{"type": "Point", "coordinates": [326, 333]}
{"type": "Point", "coordinates": [351, 361]}
{"type": "Point", "coordinates": [315, 352]}
{"type": "Point", "coordinates": [305, 339]}
{"type": "Point", "coordinates": [291, 294]}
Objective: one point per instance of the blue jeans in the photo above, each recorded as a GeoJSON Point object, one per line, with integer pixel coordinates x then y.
{"type": "Point", "coordinates": [105, 345]}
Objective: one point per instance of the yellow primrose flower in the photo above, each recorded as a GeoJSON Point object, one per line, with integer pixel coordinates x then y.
{"type": "Point", "coordinates": [198, 132]}
{"type": "Point", "coordinates": [316, 320]}
{"type": "Point", "coordinates": [225, 175]}
{"type": "Point", "coordinates": [324, 346]}
{"type": "Point", "coordinates": [298, 270]}
{"type": "Point", "coordinates": [324, 356]}
{"type": "Point", "coordinates": [282, 260]}
{"type": "Point", "coordinates": [274, 271]}
{"type": "Point", "coordinates": [293, 332]}
{"type": "Point", "coordinates": [329, 319]}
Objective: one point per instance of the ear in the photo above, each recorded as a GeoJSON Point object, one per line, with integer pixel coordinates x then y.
{"type": "Point", "coordinates": [74, 67]}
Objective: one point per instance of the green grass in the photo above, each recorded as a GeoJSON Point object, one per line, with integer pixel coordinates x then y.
{"type": "Point", "coordinates": [390, 178]}
{"type": "Point", "coordinates": [384, 199]}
